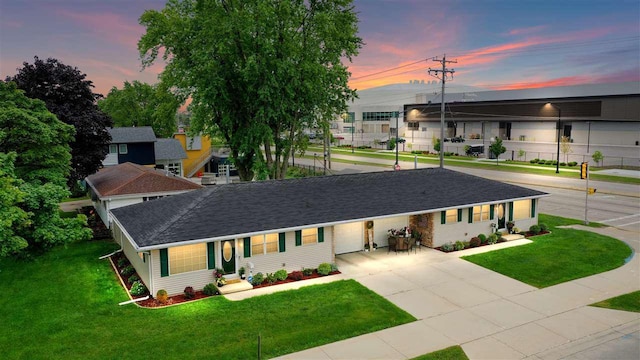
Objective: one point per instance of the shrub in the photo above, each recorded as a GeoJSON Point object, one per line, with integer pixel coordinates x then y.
{"type": "Point", "coordinates": [459, 245]}
{"type": "Point", "coordinates": [563, 164]}
{"type": "Point", "coordinates": [548, 162]}
{"type": "Point", "coordinates": [307, 271]}
{"type": "Point", "coordinates": [189, 293]}
{"type": "Point", "coordinates": [534, 161]}
{"type": "Point", "coordinates": [447, 247]}
{"type": "Point", "coordinates": [162, 296]}
{"type": "Point", "coordinates": [543, 227]}
{"type": "Point", "coordinates": [501, 239]}
{"type": "Point", "coordinates": [492, 239]}
{"type": "Point", "coordinates": [122, 262]}
{"type": "Point", "coordinates": [572, 163]}
{"type": "Point", "coordinates": [554, 162]}
{"type": "Point", "coordinates": [534, 229]}
{"type": "Point", "coordinates": [281, 274]}
{"type": "Point", "coordinates": [132, 279]}
{"type": "Point", "coordinates": [257, 279]}
{"type": "Point", "coordinates": [137, 288]}
{"type": "Point", "coordinates": [516, 230]}
{"type": "Point", "coordinates": [483, 238]}
{"type": "Point", "coordinates": [296, 275]}
{"type": "Point", "coordinates": [334, 267]}
{"type": "Point", "coordinates": [271, 278]}
{"type": "Point", "coordinates": [324, 269]}
{"type": "Point", "coordinates": [127, 271]}
{"type": "Point", "coordinates": [474, 242]}
{"type": "Point", "coordinates": [210, 289]}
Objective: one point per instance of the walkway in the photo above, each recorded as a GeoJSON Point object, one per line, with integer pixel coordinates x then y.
{"type": "Point", "coordinates": [490, 315]}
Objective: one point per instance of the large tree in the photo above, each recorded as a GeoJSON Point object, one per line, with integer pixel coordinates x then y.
{"type": "Point", "coordinates": [258, 71]}
{"type": "Point", "coordinates": [69, 96]}
{"type": "Point", "coordinates": [34, 165]}
{"type": "Point", "coordinates": [141, 104]}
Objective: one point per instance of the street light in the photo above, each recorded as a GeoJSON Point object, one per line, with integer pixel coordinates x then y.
{"type": "Point", "coordinates": [558, 140]}
{"type": "Point", "coordinates": [397, 116]}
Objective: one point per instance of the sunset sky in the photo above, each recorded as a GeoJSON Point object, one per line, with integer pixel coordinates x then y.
{"type": "Point", "coordinates": [505, 44]}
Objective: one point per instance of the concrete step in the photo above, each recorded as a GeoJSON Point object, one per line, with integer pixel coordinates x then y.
{"type": "Point", "coordinates": [235, 286]}
{"type": "Point", "coordinates": [511, 237]}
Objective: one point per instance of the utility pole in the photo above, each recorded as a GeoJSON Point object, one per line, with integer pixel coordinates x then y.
{"type": "Point", "coordinates": [443, 77]}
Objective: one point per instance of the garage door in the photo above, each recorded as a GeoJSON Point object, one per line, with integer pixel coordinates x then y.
{"type": "Point", "coordinates": [348, 237]}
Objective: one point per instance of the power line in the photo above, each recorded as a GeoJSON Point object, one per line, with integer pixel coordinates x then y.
{"type": "Point", "coordinates": [391, 69]}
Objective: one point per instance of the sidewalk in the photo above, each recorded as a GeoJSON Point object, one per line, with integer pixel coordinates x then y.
{"type": "Point", "coordinates": [490, 315]}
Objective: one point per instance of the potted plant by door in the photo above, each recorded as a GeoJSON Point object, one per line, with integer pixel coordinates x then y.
{"type": "Point", "coordinates": [510, 226]}
{"type": "Point", "coordinates": [219, 280]}
{"type": "Point", "coordinates": [242, 272]}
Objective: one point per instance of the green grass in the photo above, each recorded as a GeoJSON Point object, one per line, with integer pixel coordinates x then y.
{"type": "Point", "coordinates": [450, 353]}
{"type": "Point", "coordinates": [627, 302]}
{"type": "Point", "coordinates": [64, 305]}
{"type": "Point", "coordinates": [563, 255]}
{"type": "Point", "coordinates": [75, 199]}
{"type": "Point", "coordinates": [67, 214]}
{"type": "Point", "coordinates": [463, 161]}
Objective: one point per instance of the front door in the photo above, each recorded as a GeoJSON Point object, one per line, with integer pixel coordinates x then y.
{"type": "Point", "coordinates": [501, 216]}
{"type": "Point", "coordinates": [228, 249]}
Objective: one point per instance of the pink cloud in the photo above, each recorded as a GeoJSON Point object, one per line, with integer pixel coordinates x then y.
{"type": "Point", "coordinates": [110, 26]}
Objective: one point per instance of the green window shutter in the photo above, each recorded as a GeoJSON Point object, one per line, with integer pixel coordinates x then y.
{"type": "Point", "coordinates": [164, 262]}
{"type": "Point", "coordinates": [533, 208]}
{"type": "Point", "coordinates": [298, 237]}
{"type": "Point", "coordinates": [247, 247]}
{"type": "Point", "coordinates": [491, 211]}
{"type": "Point", "coordinates": [443, 217]}
{"type": "Point", "coordinates": [282, 240]}
{"type": "Point", "coordinates": [211, 259]}
{"type": "Point", "coordinates": [320, 234]}
{"type": "Point", "coordinates": [511, 211]}
{"type": "Point", "coordinates": [459, 215]}
{"type": "Point", "coordinates": [471, 215]}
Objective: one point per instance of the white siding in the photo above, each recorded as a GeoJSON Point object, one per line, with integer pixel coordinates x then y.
{"type": "Point", "coordinates": [175, 284]}
{"type": "Point", "coordinates": [381, 228]}
{"type": "Point", "coordinates": [349, 237]}
{"type": "Point", "coordinates": [142, 268]}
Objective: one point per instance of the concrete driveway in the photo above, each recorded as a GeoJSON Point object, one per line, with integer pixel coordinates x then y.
{"type": "Point", "coordinates": [490, 315]}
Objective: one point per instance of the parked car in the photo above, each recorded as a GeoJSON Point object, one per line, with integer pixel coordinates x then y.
{"type": "Point", "coordinates": [474, 150]}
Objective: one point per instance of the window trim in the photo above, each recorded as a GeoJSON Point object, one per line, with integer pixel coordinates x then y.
{"type": "Point", "coordinates": [264, 244]}
{"type": "Point", "coordinates": [113, 149]}
{"type": "Point", "coordinates": [205, 251]}
{"type": "Point", "coordinates": [123, 149]}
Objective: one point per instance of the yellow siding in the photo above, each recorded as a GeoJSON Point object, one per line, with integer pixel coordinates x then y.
{"type": "Point", "coordinates": [193, 156]}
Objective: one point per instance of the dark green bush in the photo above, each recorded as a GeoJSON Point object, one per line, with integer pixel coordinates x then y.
{"type": "Point", "coordinates": [307, 271]}
{"type": "Point", "coordinates": [138, 288]}
{"type": "Point", "coordinates": [271, 278]}
{"type": "Point", "coordinates": [563, 164]}
{"type": "Point", "coordinates": [132, 279]}
{"type": "Point", "coordinates": [122, 262]}
{"type": "Point", "coordinates": [492, 239]}
{"type": "Point", "coordinates": [534, 161]}
{"type": "Point", "coordinates": [534, 229]}
{"type": "Point", "coordinates": [257, 279]}
{"type": "Point", "coordinates": [459, 245]}
{"type": "Point", "coordinates": [554, 162]}
{"type": "Point", "coordinates": [572, 163]}
{"type": "Point", "coordinates": [127, 271]}
{"type": "Point", "coordinates": [483, 238]}
{"type": "Point", "coordinates": [334, 267]}
{"type": "Point", "coordinates": [324, 269]}
{"type": "Point", "coordinates": [548, 162]}
{"type": "Point", "coordinates": [281, 274]}
{"type": "Point", "coordinates": [543, 227]}
{"type": "Point", "coordinates": [210, 289]}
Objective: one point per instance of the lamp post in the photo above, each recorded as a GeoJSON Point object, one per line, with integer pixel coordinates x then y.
{"type": "Point", "coordinates": [558, 140]}
{"type": "Point", "coordinates": [396, 166]}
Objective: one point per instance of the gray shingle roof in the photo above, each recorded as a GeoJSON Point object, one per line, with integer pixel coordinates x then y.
{"type": "Point", "coordinates": [234, 209]}
{"type": "Point", "coordinates": [169, 149]}
{"type": "Point", "coordinates": [128, 135]}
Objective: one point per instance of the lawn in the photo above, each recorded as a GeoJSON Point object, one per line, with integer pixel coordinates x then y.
{"type": "Point", "coordinates": [562, 255]}
{"type": "Point", "coordinates": [64, 305]}
{"type": "Point", "coordinates": [450, 353]}
{"type": "Point", "coordinates": [626, 302]}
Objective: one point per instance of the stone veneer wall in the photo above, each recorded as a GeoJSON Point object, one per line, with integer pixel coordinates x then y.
{"type": "Point", "coordinates": [424, 224]}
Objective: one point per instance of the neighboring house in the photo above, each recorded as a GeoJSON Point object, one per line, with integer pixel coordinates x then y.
{"type": "Point", "coordinates": [199, 152]}
{"type": "Point", "coordinates": [169, 155]}
{"type": "Point", "coordinates": [265, 226]}
{"type": "Point", "coordinates": [131, 144]}
{"type": "Point", "coordinates": [125, 184]}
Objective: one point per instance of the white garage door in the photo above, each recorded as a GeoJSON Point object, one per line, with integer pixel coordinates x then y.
{"type": "Point", "coordinates": [348, 237]}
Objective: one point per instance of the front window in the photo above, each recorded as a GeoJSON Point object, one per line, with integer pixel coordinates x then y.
{"type": "Point", "coordinates": [451, 216]}
{"type": "Point", "coordinates": [264, 244]}
{"type": "Point", "coordinates": [113, 149]}
{"type": "Point", "coordinates": [187, 258]}
{"type": "Point", "coordinates": [414, 125]}
{"type": "Point", "coordinates": [481, 213]}
{"type": "Point", "coordinates": [521, 209]}
{"type": "Point", "coordinates": [122, 149]}
{"type": "Point", "coordinates": [309, 236]}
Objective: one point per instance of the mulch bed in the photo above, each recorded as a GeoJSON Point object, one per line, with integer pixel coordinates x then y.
{"type": "Point", "coordinates": [180, 298]}
{"type": "Point", "coordinates": [527, 235]}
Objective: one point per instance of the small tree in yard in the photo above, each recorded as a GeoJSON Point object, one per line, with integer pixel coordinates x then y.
{"type": "Point", "coordinates": [521, 154]}
{"type": "Point", "coordinates": [565, 147]}
{"type": "Point", "coordinates": [597, 156]}
{"type": "Point", "coordinates": [497, 148]}
{"type": "Point", "coordinates": [436, 145]}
